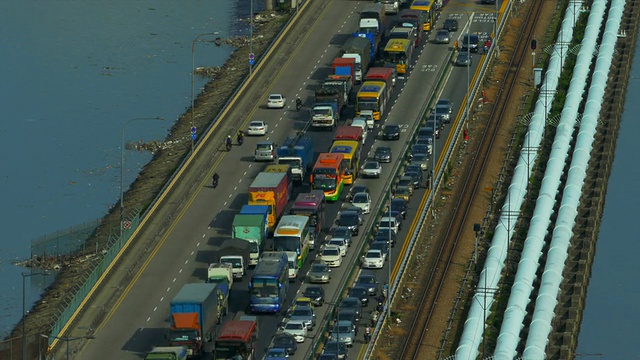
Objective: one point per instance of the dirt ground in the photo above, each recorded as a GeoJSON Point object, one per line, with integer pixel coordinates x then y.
{"type": "Point", "coordinates": [440, 343]}
{"type": "Point", "coordinates": [167, 157]}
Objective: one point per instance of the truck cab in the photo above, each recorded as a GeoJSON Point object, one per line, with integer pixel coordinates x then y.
{"type": "Point", "coordinates": [367, 116]}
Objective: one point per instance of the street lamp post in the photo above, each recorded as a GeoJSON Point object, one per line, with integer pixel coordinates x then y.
{"type": "Point", "coordinates": [67, 340]}
{"type": "Point", "coordinates": [250, 37]}
{"type": "Point", "coordinates": [193, 70]}
{"type": "Point", "coordinates": [24, 311]}
{"type": "Point", "coordinates": [122, 168]}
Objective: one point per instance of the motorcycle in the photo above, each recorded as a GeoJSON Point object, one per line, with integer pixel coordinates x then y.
{"type": "Point", "coordinates": [229, 144]}
{"type": "Point", "coordinates": [367, 335]}
{"type": "Point", "coordinates": [240, 139]}
{"type": "Point", "coordinates": [215, 182]}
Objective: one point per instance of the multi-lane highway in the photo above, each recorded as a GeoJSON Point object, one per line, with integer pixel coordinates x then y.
{"type": "Point", "coordinates": [139, 319]}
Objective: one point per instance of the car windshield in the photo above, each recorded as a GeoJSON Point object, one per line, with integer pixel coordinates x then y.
{"type": "Point", "coordinates": [379, 245]}
{"type": "Point", "coordinates": [340, 232]}
{"type": "Point", "coordinates": [443, 33]}
{"type": "Point", "coordinates": [276, 353]}
{"type": "Point", "coordinates": [313, 291]}
{"type": "Point", "coordinates": [383, 150]}
{"type": "Point", "coordinates": [318, 267]}
{"type": "Point", "coordinates": [256, 124]}
{"type": "Point", "coordinates": [283, 340]}
{"type": "Point", "coordinates": [275, 97]}
{"type": "Point", "coordinates": [374, 254]}
{"type": "Point", "coordinates": [366, 280]}
{"type": "Point", "coordinates": [336, 242]}
{"type": "Point", "coordinates": [293, 326]}
{"type": "Point", "coordinates": [390, 129]}
{"type": "Point", "coordinates": [331, 252]}
{"type": "Point", "coordinates": [350, 218]}
{"type": "Point", "coordinates": [301, 312]}
{"type": "Point", "coordinates": [360, 198]}
{"type": "Point", "coordinates": [420, 157]}
{"type": "Point", "coordinates": [371, 165]}
{"type": "Point", "coordinates": [263, 147]}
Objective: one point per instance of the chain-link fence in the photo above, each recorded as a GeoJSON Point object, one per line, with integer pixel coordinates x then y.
{"type": "Point", "coordinates": [49, 250]}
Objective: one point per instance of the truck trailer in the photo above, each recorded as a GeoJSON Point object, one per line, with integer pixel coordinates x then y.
{"type": "Point", "coordinates": [297, 152]}
{"type": "Point", "coordinates": [270, 189]}
{"type": "Point", "coordinates": [194, 313]}
{"type": "Point", "coordinates": [167, 353]}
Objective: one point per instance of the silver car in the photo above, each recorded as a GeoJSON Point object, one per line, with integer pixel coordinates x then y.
{"type": "Point", "coordinates": [304, 314]}
{"type": "Point", "coordinates": [257, 127]}
{"type": "Point", "coordinates": [371, 169]}
{"type": "Point", "coordinates": [443, 36]}
{"type": "Point", "coordinates": [265, 151]}
{"type": "Point", "coordinates": [344, 331]}
{"type": "Point", "coordinates": [319, 273]}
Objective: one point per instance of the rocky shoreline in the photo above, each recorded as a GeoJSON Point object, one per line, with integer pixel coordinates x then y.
{"type": "Point", "coordinates": [168, 155]}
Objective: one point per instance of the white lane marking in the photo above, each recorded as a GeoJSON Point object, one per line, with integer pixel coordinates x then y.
{"type": "Point", "coordinates": [198, 244]}
{"type": "Point", "coordinates": [193, 252]}
{"type": "Point", "coordinates": [149, 318]}
{"type": "Point", "coordinates": [225, 204]}
{"type": "Point", "coordinates": [180, 271]}
{"type": "Point", "coordinates": [235, 188]}
{"type": "Point", "coordinates": [168, 289]}
{"type": "Point", "coordinates": [162, 299]}
{"type": "Point", "coordinates": [245, 173]}
{"type": "Point", "coordinates": [155, 309]}
{"type": "Point", "coordinates": [174, 279]}
{"type": "Point", "coordinates": [186, 262]}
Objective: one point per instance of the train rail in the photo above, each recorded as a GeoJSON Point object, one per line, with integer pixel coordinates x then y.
{"type": "Point", "coordinates": [445, 246]}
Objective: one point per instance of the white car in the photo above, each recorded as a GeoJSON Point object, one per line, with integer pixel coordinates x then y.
{"type": "Point", "coordinates": [258, 128]}
{"type": "Point", "coordinates": [276, 101]}
{"type": "Point", "coordinates": [341, 244]}
{"type": "Point", "coordinates": [373, 259]}
{"type": "Point", "coordinates": [295, 328]}
{"type": "Point", "coordinates": [331, 255]}
{"type": "Point", "coordinates": [363, 201]}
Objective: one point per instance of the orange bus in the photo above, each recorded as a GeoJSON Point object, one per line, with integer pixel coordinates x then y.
{"type": "Point", "coordinates": [328, 175]}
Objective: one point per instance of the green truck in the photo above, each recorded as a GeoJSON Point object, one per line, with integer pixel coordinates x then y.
{"type": "Point", "coordinates": [167, 353]}
{"type": "Point", "coordinates": [251, 228]}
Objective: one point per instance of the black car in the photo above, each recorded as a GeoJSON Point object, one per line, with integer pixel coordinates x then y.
{"type": "Point", "coordinates": [385, 235]}
{"type": "Point", "coordinates": [471, 42]}
{"type": "Point", "coordinates": [391, 132]}
{"type": "Point", "coordinates": [348, 314]}
{"type": "Point", "coordinates": [360, 293]}
{"type": "Point", "coordinates": [450, 24]}
{"type": "Point", "coordinates": [315, 293]}
{"type": "Point", "coordinates": [352, 303]}
{"type": "Point", "coordinates": [350, 219]}
{"type": "Point", "coordinates": [285, 341]}
{"type": "Point", "coordinates": [487, 2]}
{"type": "Point", "coordinates": [399, 205]}
{"type": "Point", "coordinates": [328, 357]}
{"type": "Point", "coordinates": [416, 178]}
{"type": "Point", "coordinates": [369, 282]}
{"type": "Point", "coordinates": [444, 107]}
{"type": "Point", "coordinates": [412, 167]}
{"type": "Point", "coordinates": [336, 348]}
{"type": "Point", "coordinates": [382, 154]}
{"type": "Point", "coordinates": [425, 132]}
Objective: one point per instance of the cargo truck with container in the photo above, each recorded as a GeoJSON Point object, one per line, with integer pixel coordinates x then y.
{"type": "Point", "coordinates": [282, 168]}
{"type": "Point", "coordinates": [344, 67]}
{"type": "Point", "coordinates": [270, 189]}
{"type": "Point", "coordinates": [237, 339]}
{"type": "Point", "coordinates": [340, 83]}
{"type": "Point", "coordinates": [250, 228]}
{"type": "Point", "coordinates": [257, 242]}
{"type": "Point", "coordinates": [167, 353]}
{"type": "Point", "coordinates": [236, 252]}
{"type": "Point", "coordinates": [194, 313]}
{"type": "Point", "coordinates": [297, 152]}
{"type": "Point", "coordinates": [373, 15]}
{"type": "Point", "coordinates": [359, 49]}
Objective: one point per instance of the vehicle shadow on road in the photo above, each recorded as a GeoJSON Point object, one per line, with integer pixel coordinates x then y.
{"type": "Point", "coordinates": [142, 337]}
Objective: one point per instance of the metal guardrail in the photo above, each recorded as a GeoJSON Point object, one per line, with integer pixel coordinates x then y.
{"type": "Point", "coordinates": [66, 316]}
{"type": "Point", "coordinates": [437, 179]}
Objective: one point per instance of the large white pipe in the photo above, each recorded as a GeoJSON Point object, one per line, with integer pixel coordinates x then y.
{"type": "Point", "coordinates": [492, 272]}
{"type": "Point", "coordinates": [562, 233]}
{"type": "Point", "coordinates": [516, 310]}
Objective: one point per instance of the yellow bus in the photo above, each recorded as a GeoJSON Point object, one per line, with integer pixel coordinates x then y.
{"type": "Point", "coordinates": [398, 51]}
{"type": "Point", "coordinates": [351, 151]}
{"type": "Point", "coordinates": [372, 96]}
{"type": "Point", "coordinates": [426, 6]}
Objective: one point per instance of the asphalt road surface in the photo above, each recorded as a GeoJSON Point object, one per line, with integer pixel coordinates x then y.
{"type": "Point", "coordinates": [140, 319]}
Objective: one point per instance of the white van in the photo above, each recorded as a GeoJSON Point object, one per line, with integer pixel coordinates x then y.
{"type": "Point", "coordinates": [293, 265]}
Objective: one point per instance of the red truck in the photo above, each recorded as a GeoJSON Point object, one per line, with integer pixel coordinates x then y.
{"type": "Point", "coordinates": [271, 189]}
{"type": "Point", "coordinates": [345, 67]}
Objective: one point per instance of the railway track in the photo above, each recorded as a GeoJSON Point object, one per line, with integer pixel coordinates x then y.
{"type": "Point", "coordinates": [445, 246]}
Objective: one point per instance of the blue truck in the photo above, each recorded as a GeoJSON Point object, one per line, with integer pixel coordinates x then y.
{"type": "Point", "coordinates": [297, 152]}
{"type": "Point", "coordinates": [194, 313]}
{"type": "Point", "coordinates": [373, 38]}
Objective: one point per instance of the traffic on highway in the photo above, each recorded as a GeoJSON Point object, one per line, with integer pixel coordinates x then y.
{"type": "Point", "coordinates": [290, 252]}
